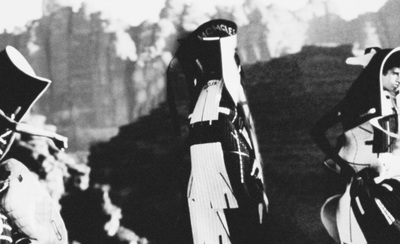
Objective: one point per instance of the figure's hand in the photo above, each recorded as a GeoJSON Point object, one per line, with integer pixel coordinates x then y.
{"type": "Point", "coordinates": [345, 169]}
{"type": "Point", "coordinates": [347, 173]}
{"type": "Point", "coordinates": [367, 176]}
{"type": "Point", "coordinates": [60, 141]}
{"type": "Point", "coordinates": [364, 184]}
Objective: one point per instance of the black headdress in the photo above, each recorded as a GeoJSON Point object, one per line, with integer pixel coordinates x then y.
{"type": "Point", "coordinates": [20, 87]}
{"type": "Point", "coordinates": [363, 100]}
{"type": "Point", "coordinates": [196, 60]}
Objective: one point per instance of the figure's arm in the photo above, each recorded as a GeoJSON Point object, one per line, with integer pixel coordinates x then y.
{"type": "Point", "coordinates": [250, 129]}
{"type": "Point", "coordinates": [60, 142]}
{"type": "Point", "coordinates": [257, 170]}
{"type": "Point", "coordinates": [171, 77]}
{"type": "Point", "coordinates": [318, 134]}
{"type": "Point", "coordinates": [320, 128]}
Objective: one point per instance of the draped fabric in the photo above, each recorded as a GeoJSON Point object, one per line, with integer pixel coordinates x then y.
{"type": "Point", "coordinates": [29, 207]}
{"type": "Point", "coordinates": [376, 208]}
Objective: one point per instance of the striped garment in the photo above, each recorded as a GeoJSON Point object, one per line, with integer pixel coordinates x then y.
{"type": "Point", "coordinates": [5, 230]}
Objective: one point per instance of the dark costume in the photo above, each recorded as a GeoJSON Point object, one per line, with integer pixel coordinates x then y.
{"type": "Point", "coordinates": [225, 194]}
{"type": "Point", "coordinates": [365, 154]}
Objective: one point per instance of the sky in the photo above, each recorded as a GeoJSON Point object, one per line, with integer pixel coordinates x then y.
{"type": "Point", "coordinates": [133, 12]}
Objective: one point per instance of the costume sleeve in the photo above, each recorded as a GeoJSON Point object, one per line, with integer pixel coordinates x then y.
{"type": "Point", "coordinates": [319, 130]}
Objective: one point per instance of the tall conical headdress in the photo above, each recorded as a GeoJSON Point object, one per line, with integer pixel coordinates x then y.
{"type": "Point", "coordinates": [20, 87]}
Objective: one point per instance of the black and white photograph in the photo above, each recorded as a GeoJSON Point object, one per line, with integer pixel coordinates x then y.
{"type": "Point", "coordinates": [199, 122]}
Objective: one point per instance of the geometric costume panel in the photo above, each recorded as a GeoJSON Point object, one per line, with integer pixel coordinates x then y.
{"type": "Point", "coordinates": [209, 182]}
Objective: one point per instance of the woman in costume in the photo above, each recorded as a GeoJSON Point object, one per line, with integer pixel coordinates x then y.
{"type": "Point", "coordinates": [226, 197]}
{"type": "Point", "coordinates": [28, 214]}
{"type": "Point", "coordinates": [366, 153]}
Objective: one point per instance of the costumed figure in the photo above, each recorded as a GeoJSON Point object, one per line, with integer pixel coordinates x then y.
{"type": "Point", "coordinates": [226, 196]}
{"type": "Point", "coordinates": [366, 153]}
{"type": "Point", "coordinates": [28, 213]}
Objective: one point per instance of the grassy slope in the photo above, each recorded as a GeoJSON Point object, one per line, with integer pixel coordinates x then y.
{"type": "Point", "coordinates": [148, 167]}
{"type": "Point", "coordinates": [285, 103]}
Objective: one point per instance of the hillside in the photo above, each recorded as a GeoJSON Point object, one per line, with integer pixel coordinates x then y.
{"type": "Point", "coordinates": [285, 103]}
{"type": "Point", "coordinates": [147, 166]}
